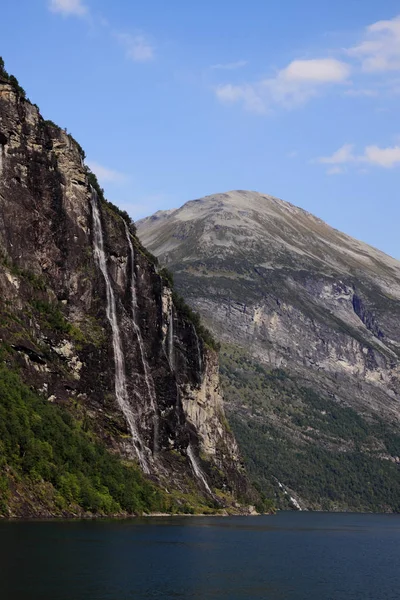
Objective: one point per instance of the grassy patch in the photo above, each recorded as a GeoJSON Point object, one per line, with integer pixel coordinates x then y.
{"type": "Point", "coordinates": [42, 443]}
{"type": "Point", "coordinates": [328, 453]}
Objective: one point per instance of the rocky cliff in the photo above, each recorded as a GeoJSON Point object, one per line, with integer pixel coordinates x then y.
{"type": "Point", "coordinates": [310, 322]}
{"type": "Point", "coordinates": [90, 326]}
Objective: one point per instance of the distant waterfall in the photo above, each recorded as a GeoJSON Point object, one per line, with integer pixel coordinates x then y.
{"type": "Point", "coordinates": [171, 352]}
{"type": "Point", "coordinates": [1, 158]}
{"type": "Point", "coordinates": [197, 469]}
{"type": "Point", "coordinates": [120, 376]}
{"type": "Point", "coordinates": [147, 375]}
{"type": "Point", "coordinates": [200, 360]}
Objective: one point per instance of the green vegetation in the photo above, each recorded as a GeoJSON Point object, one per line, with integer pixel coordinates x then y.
{"type": "Point", "coordinates": [80, 149]}
{"type": "Point", "coordinates": [51, 123]}
{"type": "Point", "coordinates": [326, 452]}
{"type": "Point", "coordinates": [167, 276]}
{"type": "Point", "coordinates": [94, 183]}
{"type": "Point", "coordinates": [41, 442]}
{"type": "Point", "coordinates": [150, 257]}
{"type": "Point", "coordinates": [53, 318]}
{"type": "Point", "coordinates": [36, 281]}
{"type": "Point", "coordinates": [52, 315]}
{"type": "Point", "coordinates": [11, 80]}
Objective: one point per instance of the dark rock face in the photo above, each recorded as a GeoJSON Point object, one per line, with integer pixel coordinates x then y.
{"type": "Point", "coordinates": [55, 322]}
{"type": "Point", "coordinates": [298, 305]}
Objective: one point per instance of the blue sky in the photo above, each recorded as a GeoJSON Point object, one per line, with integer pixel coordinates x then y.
{"type": "Point", "coordinates": [180, 99]}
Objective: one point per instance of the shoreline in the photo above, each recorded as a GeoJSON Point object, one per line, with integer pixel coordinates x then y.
{"type": "Point", "coordinates": [126, 517]}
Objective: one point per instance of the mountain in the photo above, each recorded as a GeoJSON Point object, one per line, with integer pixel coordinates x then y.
{"type": "Point", "coordinates": [309, 320]}
{"type": "Point", "coordinates": [110, 399]}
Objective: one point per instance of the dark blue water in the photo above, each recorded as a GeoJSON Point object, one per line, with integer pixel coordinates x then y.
{"type": "Point", "coordinates": [291, 556]}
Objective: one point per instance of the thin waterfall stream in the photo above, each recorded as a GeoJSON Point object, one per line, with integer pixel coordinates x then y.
{"type": "Point", "coordinates": [1, 158]}
{"type": "Point", "coordinates": [147, 375]}
{"type": "Point", "coordinates": [171, 355]}
{"type": "Point", "coordinates": [120, 375]}
{"type": "Point", "coordinates": [197, 469]}
{"type": "Point", "coordinates": [200, 360]}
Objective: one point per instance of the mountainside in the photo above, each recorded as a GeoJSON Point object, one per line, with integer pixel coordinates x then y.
{"type": "Point", "coordinates": [102, 378]}
{"type": "Point", "coordinates": [309, 319]}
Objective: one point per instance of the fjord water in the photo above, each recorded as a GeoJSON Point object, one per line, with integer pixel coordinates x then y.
{"type": "Point", "coordinates": [290, 556]}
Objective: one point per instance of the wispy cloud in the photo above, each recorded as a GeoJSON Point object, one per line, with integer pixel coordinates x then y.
{"type": "Point", "coordinates": [335, 170]}
{"type": "Point", "coordinates": [387, 158]}
{"type": "Point", "coordinates": [342, 156]}
{"type": "Point", "coordinates": [377, 53]}
{"type": "Point", "coordinates": [379, 50]}
{"type": "Point", "coordinates": [106, 175]}
{"type": "Point", "coordinates": [75, 8]}
{"type": "Point", "coordinates": [292, 86]}
{"type": "Point", "coordinates": [230, 66]}
{"type": "Point", "coordinates": [250, 95]}
{"type": "Point", "coordinates": [137, 47]}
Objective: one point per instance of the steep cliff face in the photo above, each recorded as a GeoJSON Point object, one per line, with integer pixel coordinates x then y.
{"type": "Point", "coordinates": [304, 311]}
{"type": "Point", "coordinates": [91, 326]}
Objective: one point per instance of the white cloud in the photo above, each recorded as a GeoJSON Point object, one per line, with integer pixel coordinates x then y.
{"type": "Point", "coordinates": [315, 71]}
{"type": "Point", "coordinates": [380, 48]}
{"type": "Point", "coordinates": [68, 7]}
{"type": "Point", "coordinates": [292, 154]}
{"type": "Point", "coordinates": [230, 66]}
{"type": "Point", "coordinates": [248, 94]}
{"type": "Point", "coordinates": [106, 175]}
{"type": "Point", "coordinates": [377, 53]}
{"type": "Point", "coordinates": [138, 47]}
{"type": "Point", "coordinates": [293, 85]}
{"type": "Point", "coordinates": [383, 157]}
{"type": "Point", "coordinates": [340, 157]}
{"type": "Point", "coordinates": [373, 155]}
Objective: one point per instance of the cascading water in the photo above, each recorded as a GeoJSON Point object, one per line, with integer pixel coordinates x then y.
{"type": "Point", "coordinates": [197, 469]}
{"type": "Point", "coordinates": [198, 350]}
{"type": "Point", "coordinates": [1, 158]}
{"type": "Point", "coordinates": [120, 376]}
{"type": "Point", "coordinates": [171, 353]}
{"type": "Point", "coordinates": [147, 375]}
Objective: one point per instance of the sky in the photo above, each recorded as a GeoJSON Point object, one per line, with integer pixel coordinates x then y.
{"type": "Point", "coordinates": [176, 100]}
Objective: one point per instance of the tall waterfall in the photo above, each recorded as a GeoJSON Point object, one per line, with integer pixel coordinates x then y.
{"type": "Point", "coordinates": [120, 376]}
{"type": "Point", "coordinates": [147, 375]}
{"type": "Point", "coordinates": [171, 353]}
{"type": "Point", "coordinates": [200, 360]}
{"type": "Point", "coordinates": [197, 469]}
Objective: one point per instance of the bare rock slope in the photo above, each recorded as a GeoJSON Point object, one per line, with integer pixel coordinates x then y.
{"type": "Point", "coordinates": [309, 319]}
{"type": "Point", "coordinates": [89, 325]}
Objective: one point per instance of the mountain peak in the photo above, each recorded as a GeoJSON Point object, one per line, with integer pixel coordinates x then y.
{"type": "Point", "coordinates": [309, 321]}
{"type": "Point", "coordinates": [273, 231]}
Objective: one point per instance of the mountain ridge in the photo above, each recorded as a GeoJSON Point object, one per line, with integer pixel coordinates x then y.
{"type": "Point", "coordinates": [102, 376]}
{"type": "Point", "coordinates": [289, 292]}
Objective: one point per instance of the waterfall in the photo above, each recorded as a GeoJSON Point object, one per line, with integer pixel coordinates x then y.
{"type": "Point", "coordinates": [198, 351]}
{"type": "Point", "coordinates": [147, 375]}
{"type": "Point", "coordinates": [196, 468]}
{"type": "Point", "coordinates": [1, 158]}
{"type": "Point", "coordinates": [171, 354]}
{"type": "Point", "coordinates": [291, 499]}
{"type": "Point", "coordinates": [120, 376]}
